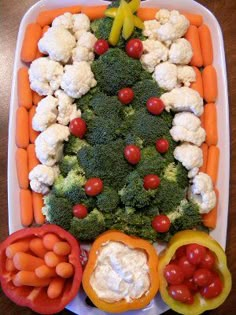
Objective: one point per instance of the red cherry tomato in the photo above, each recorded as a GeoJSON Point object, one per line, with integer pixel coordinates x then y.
{"type": "Point", "coordinates": [80, 211]}
{"type": "Point", "coordinates": [213, 289]}
{"type": "Point", "coordinates": [161, 223]}
{"type": "Point", "coordinates": [162, 145]}
{"type": "Point", "coordinates": [126, 95]}
{"type": "Point", "coordinates": [208, 261]}
{"type": "Point", "coordinates": [78, 127]}
{"type": "Point", "coordinates": [181, 293]}
{"type": "Point", "coordinates": [191, 285]}
{"type": "Point", "coordinates": [180, 252]}
{"type": "Point", "coordinates": [195, 253]}
{"type": "Point", "coordinates": [203, 277]}
{"type": "Point", "coordinates": [187, 268]}
{"type": "Point", "coordinates": [155, 105]}
{"type": "Point", "coordinates": [132, 154]}
{"type": "Point", "coordinates": [173, 274]}
{"type": "Point", "coordinates": [134, 48]}
{"type": "Point", "coordinates": [101, 46]}
{"type": "Point", "coordinates": [93, 186]}
{"type": "Point", "coordinates": [151, 181]}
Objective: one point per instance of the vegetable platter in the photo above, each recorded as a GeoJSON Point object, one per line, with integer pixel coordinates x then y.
{"type": "Point", "coordinates": [157, 306]}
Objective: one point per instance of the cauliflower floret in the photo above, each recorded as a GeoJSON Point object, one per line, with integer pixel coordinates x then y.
{"type": "Point", "coordinates": [66, 109]}
{"type": "Point", "coordinates": [65, 20]}
{"type": "Point", "coordinates": [189, 155]}
{"type": "Point", "coordinates": [45, 76]}
{"type": "Point", "coordinates": [41, 177]}
{"type": "Point", "coordinates": [163, 16]}
{"type": "Point", "coordinates": [78, 79]}
{"type": "Point", "coordinates": [80, 22]}
{"type": "Point", "coordinates": [180, 51]}
{"type": "Point", "coordinates": [202, 183]}
{"type": "Point", "coordinates": [183, 99]}
{"type": "Point", "coordinates": [193, 172]}
{"type": "Point", "coordinates": [80, 53]}
{"type": "Point", "coordinates": [187, 120]}
{"type": "Point", "coordinates": [58, 43]}
{"type": "Point", "coordinates": [86, 39]}
{"type": "Point", "coordinates": [150, 29]}
{"type": "Point", "coordinates": [166, 75]}
{"type": "Point", "coordinates": [46, 113]}
{"type": "Point", "coordinates": [186, 75]}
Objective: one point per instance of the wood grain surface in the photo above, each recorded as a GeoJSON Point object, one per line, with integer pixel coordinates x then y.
{"type": "Point", "coordinates": [11, 12]}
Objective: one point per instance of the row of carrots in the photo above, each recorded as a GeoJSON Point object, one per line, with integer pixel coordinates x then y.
{"type": "Point", "coordinates": [40, 262]}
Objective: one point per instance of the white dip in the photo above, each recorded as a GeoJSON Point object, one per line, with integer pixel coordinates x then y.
{"type": "Point", "coordinates": [120, 273]}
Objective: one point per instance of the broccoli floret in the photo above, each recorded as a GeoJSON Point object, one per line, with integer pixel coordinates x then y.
{"type": "Point", "coordinates": [68, 163]}
{"type": "Point", "coordinates": [88, 115]}
{"type": "Point", "coordinates": [83, 103]}
{"type": "Point", "coordinates": [176, 173]}
{"type": "Point", "coordinates": [89, 228]}
{"type": "Point", "coordinates": [131, 139]}
{"type": "Point", "coordinates": [114, 69]}
{"type": "Point", "coordinates": [167, 117]}
{"type": "Point", "coordinates": [108, 200]}
{"type": "Point", "coordinates": [128, 111]}
{"type": "Point", "coordinates": [58, 210]}
{"type": "Point", "coordinates": [74, 145]}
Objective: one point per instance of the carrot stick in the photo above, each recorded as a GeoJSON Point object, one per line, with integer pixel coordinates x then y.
{"type": "Point", "coordinates": [32, 133]}
{"type": "Point", "coordinates": [213, 162]}
{"type": "Point", "coordinates": [204, 148]}
{"type": "Point", "coordinates": [51, 259]}
{"type": "Point", "coordinates": [147, 13]}
{"type": "Point", "coordinates": [21, 246]}
{"type": "Point", "coordinates": [29, 278]}
{"type": "Point", "coordinates": [38, 53]}
{"type": "Point", "coordinates": [211, 124]}
{"type": "Point", "coordinates": [62, 248]}
{"type": "Point", "coordinates": [29, 47]}
{"type": "Point", "coordinates": [193, 37]}
{"type": "Point", "coordinates": [24, 261]}
{"type": "Point", "coordinates": [26, 207]}
{"type": "Point", "coordinates": [209, 79]}
{"type": "Point", "coordinates": [36, 98]}
{"type": "Point", "coordinates": [209, 219]}
{"type": "Point", "coordinates": [32, 159]}
{"type": "Point", "coordinates": [194, 19]}
{"type": "Point", "coordinates": [94, 12]}
{"type": "Point", "coordinates": [36, 246]}
{"type": "Point", "coordinates": [197, 85]}
{"type": "Point", "coordinates": [202, 118]}
{"type": "Point", "coordinates": [37, 208]}
{"type": "Point", "coordinates": [64, 270]}
{"type": "Point", "coordinates": [22, 128]}
{"type": "Point", "coordinates": [206, 45]}
{"type": "Point", "coordinates": [45, 272]}
{"type": "Point", "coordinates": [49, 240]}
{"type": "Point", "coordinates": [46, 17]}
{"type": "Point", "coordinates": [9, 265]}
{"type": "Point", "coordinates": [55, 287]}
{"type": "Point", "coordinates": [24, 91]}
{"type": "Point", "coordinates": [22, 168]}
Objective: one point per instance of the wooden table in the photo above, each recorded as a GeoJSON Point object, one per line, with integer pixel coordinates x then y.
{"type": "Point", "coordinates": [11, 14]}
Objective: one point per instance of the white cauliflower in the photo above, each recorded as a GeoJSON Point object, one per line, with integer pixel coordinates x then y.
{"type": "Point", "coordinates": [80, 22]}
{"type": "Point", "coordinates": [183, 99]}
{"type": "Point", "coordinates": [80, 53]}
{"type": "Point", "coordinates": [66, 109]}
{"type": "Point", "coordinates": [165, 75]}
{"type": "Point", "coordinates": [180, 51]}
{"type": "Point", "coordinates": [187, 120]}
{"type": "Point", "coordinates": [202, 183]}
{"type": "Point", "coordinates": [189, 155]}
{"type": "Point", "coordinates": [49, 144]}
{"type": "Point", "coordinates": [65, 20]}
{"type": "Point", "coordinates": [163, 16]}
{"type": "Point", "coordinates": [58, 43]}
{"type": "Point", "coordinates": [150, 29]}
{"type": "Point", "coordinates": [41, 177]}
{"type": "Point", "coordinates": [78, 79]}
{"type": "Point", "coordinates": [193, 172]}
{"type": "Point", "coordinates": [86, 39]}
{"type": "Point", "coordinates": [186, 75]}
{"type": "Point", "coordinates": [46, 113]}
{"type": "Point", "coordinates": [45, 75]}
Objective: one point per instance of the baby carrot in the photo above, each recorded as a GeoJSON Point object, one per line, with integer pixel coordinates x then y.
{"type": "Point", "coordinates": [32, 133]}
{"type": "Point", "coordinates": [32, 159]}
{"type": "Point", "coordinates": [193, 37]}
{"type": "Point", "coordinates": [94, 12]}
{"type": "Point", "coordinates": [194, 19]}
{"type": "Point", "coordinates": [36, 98]}
{"type": "Point", "coordinates": [210, 219]}
{"type": "Point", "coordinates": [37, 208]}
{"type": "Point", "coordinates": [46, 17]}
{"type": "Point", "coordinates": [24, 261]}
{"type": "Point", "coordinates": [147, 13]}
{"type": "Point", "coordinates": [22, 128]}
{"type": "Point", "coordinates": [211, 124]}
{"type": "Point", "coordinates": [49, 240]}
{"type": "Point", "coordinates": [45, 272]}
{"type": "Point", "coordinates": [213, 162]}
{"type": "Point", "coordinates": [9, 265]}
{"type": "Point", "coordinates": [21, 246]}
{"type": "Point", "coordinates": [197, 85]}
{"type": "Point", "coordinates": [204, 148]}
{"type": "Point", "coordinates": [52, 260]}
{"type": "Point", "coordinates": [29, 278]}
{"type": "Point", "coordinates": [62, 248]}
{"type": "Point", "coordinates": [206, 45]}
{"type": "Point", "coordinates": [29, 47]}
{"type": "Point", "coordinates": [64, 270]}
{"type": "Point", "coordinates": [209, 79]}
{"type": "Point", "coordinates": [36, 246]}
{"type": "Point", "coordinates": [38, 53]}
{"type": "Point", "coordinates": [24, 91]}
{"type": "Point", "coordinates": [26, 207]}
{"type": "Point", "coordinates": [55, 287]}
{"type": "Point", "coordinates": [22, 168]}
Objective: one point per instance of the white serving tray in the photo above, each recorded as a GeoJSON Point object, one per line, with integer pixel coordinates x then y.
{"type": "Point", "coordinates": [157, 306]}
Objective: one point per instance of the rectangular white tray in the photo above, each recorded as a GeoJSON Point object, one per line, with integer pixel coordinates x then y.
{"type": "Point", "coordinates": [156, 307]}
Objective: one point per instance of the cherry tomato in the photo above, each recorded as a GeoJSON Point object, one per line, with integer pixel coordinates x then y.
{"type": "Point", "coordinates": [126, 95]}
{"type": "Point", "coordinates": [78, 127]}
{"type": "Point", "coordinates": [155, 105]}
{"type": "Point", "coordinates": [203, 277]}
{"type": "Point", "coordinates": [191, 285]}
{"type": "Point", "coordinates": [132, 154]}
{"type": "Point", "coordinates": [134, 48]}
{"type": "Point", "coordinates": [208, 261]}
{"type": "Point", "coordinates": [80, 211]}
{"type": "Point", "coordinates": [161, 223]}
{"type": "Point", "coordinates": [173, 274]}
{"type": "Point", "coordinates": [187, 268]}
{"type": "Point", "coordinates": [162, 145]}
{"type": "Point", "coordinates": [180, 252]}
{"type": "Point", "coordinates": [180, 292]}
{"type": "Point", "coordinates": [101, 46]}
{"type": "Point", "coordinates": [93, 186]}
{"type": "Point", "coordinates": [213, 289]}
{"type": "Point", "coordinates": [195, 253]}
{"type": "Point", "coordinates": [151, 181]}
